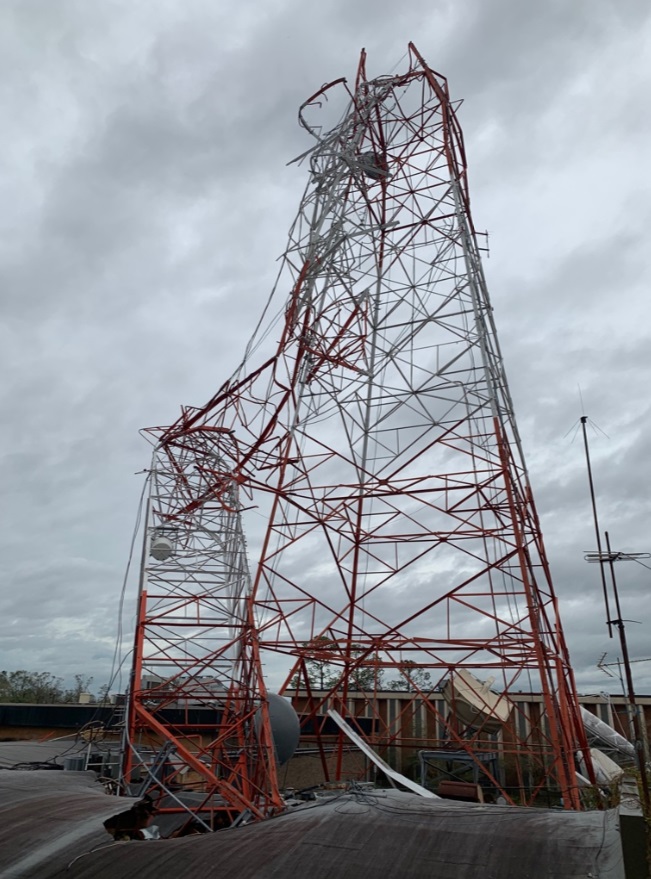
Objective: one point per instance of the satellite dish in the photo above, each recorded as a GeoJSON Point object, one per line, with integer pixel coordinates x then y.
{"type": "Point", "coordinates": [161, 548]}
{"type": "Point", "coordinates": [373, 166]}
{"type": "Point", "coordinates": [285, 728]}
{"type": "Point", "coordinates": [474, 703]}
{"type": "Point", "coordinates": [606, 770]}
{"type": "Point", "coordinates": [606, 735]}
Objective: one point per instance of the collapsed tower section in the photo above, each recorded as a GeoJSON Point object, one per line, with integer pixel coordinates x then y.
{"type": "Point", "coordinates": [377, 442]}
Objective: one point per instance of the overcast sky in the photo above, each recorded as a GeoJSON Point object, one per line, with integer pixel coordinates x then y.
{"type": "Point", "coordinates": [145, 196]}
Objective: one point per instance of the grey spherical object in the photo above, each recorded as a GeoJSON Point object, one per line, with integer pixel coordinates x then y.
{"type": "Point", "coordinates": [285, 727]}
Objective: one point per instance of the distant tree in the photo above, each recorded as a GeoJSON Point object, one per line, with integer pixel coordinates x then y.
{"type": "Point", "coordinates": [103, 693]}
{"type": "Point", "coordinates": [25, 686]}
{"type": "Point", "coordinates": [82, 685]}
{"type": "Point", "coordinates": [324, 673]}
{"type": "Point", "coordinates": [412, 678]}
{"type": "Point", "coordinates": [40, 687]}
{"type": "Point", "coordinates": [366, 677]}
{"type": "Point", "coordinates": [319, 671]}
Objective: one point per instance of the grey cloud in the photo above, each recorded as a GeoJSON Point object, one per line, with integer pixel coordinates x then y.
{"type": "Point", "coordinates": [146, 198]}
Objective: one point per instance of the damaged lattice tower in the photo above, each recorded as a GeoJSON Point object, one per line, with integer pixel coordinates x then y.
{"type": "Point", "coordinates": [379, 442]}
{"type": "Point", "coordinates": [198, 715]}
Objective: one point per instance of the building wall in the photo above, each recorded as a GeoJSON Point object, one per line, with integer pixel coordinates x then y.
{"type": "Point", "coordinates": [414, 729]}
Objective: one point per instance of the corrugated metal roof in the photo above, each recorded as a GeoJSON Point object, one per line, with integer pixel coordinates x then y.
{"type": "Point", "coordinates": [54, 819]}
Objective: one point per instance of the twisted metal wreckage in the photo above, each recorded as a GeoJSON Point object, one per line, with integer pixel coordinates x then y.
{"type": "Point", "coordinates": [379, 444]}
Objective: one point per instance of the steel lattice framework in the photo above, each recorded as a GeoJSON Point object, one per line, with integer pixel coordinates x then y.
{"type": "Point", "coordinates": [196, 645]}
{"type": "Point", "coordinates": [379, 442]}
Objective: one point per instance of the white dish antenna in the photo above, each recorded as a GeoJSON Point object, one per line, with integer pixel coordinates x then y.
{"type": "Point", "coordinates": [161, 548]}
{"type": "Point", "coordinates": [606, 770]}
{"type": "Point", "coordinates": [474, 703]}
{"type": "Point", "coordinates": [606, 734]}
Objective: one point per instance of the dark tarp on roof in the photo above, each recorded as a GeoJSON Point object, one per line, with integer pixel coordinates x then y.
{"type": "Point", "coordinates": [49, 819]}
{"type": "Point", "coordinates": [54, 751]}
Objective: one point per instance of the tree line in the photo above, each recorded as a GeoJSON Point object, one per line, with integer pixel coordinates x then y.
{"type": "Point", "coordinates": [41, 687]}
{"type": "Point", "coordinates": [322, 674]}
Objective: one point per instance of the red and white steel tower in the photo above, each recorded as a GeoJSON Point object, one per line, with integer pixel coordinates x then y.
{"type": "Point", "coordinates": [380, 444]}
{"type": "Point", "coordinates": [197, 699]}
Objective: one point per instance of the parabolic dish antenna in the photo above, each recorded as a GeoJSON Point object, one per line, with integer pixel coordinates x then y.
{"type": "Point", "coordinates": [474, 703]}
